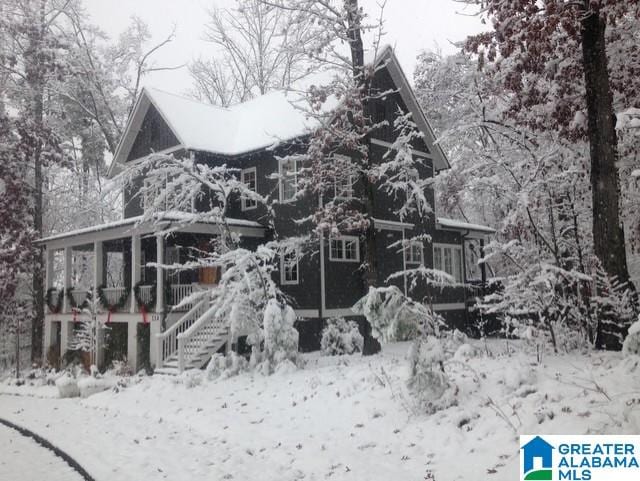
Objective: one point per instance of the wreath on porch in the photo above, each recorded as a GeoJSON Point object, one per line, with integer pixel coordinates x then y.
{"type": "Point", "coordinates": [147, 306]}
{"type": "Point", "coordinates": [119, 304]}
{"type": "Point", "coordinates": [57, 307]}
{"type": "Point", "coordinates": [72, 300]}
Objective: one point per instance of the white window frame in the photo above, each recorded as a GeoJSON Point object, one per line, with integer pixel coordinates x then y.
{"type": "Point", "coordinates": [146, 199]}
{"type": "Point", "coordinates": [408, 253]}
{"type": "Point", "coordinates": [283, 271]}
{"type": "Point", "coordinates": [457, 262]}
{"type": "Point", "coordinates": [281, 163]}
{"type": "Point", "coordinates": [249, 204]}
{"type": "Point", "coordinates": [340, 190]}
{"type": "Point", "coordinates": [343, 240]}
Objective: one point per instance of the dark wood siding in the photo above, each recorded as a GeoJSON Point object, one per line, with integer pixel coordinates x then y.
{"type": "Point", "coordinates": [154, 135]}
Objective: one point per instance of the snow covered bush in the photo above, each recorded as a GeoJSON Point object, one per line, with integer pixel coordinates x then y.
{"type": "Point", "coordinates": [341, 337]}
{"type": "Point", "coordinates": [90, 385]}
{"type": "Point", "coordinates": [280, 336]}
{"type": "Point", "coordinates": [67, 386]}
{"type": "Point", "coordinates": [428, 382]}
{"type": "Point", "coordinates": [222, 367]}
{"type": "Point", "coordinates": [631, 345]}
{"type": "Point", "coordinates": [391, 314]}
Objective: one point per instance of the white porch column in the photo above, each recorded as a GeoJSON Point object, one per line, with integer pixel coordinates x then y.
{"type": "Point", "coordinates": [65, 335]}
{"type": "Point", "coordinates": [48, 268]}
{"type": "Point", "coordinates": [159, 274]}
{"type": "Point", "coordinates": [135, 268]}
{"type": "Point", "coordinates": [155, 349]}
{"type": "Point", "coordinates": [66, 306]}
{"type": "Point", "coordinates": [132, 345]}
{"type": "Point", "coordinates": [98, 263]}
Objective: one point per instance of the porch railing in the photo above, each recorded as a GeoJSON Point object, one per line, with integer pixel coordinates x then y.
{"type": "Point", "coordinates": [80, 295]}
{"type": "Point", "coordinates": [146, 293]}
{"type": "Point", "coordinates": [113, 294]}
{"type": "Point", "coordinates": [192, 340]}
{"type": "Point", "coordinates": [180, 292]}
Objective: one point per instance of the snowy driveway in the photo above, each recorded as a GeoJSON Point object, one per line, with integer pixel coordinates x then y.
{"type": "Point", "coordinates": [24, 459]}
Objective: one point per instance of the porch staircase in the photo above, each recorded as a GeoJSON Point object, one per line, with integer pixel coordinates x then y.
{"type": "Point", "coordinates": [191, 341]}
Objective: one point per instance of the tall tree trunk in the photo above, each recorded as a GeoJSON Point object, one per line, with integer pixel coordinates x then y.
{"type": "Point", "coordinates": [36, 84]}
{"type": "Point", "coordinates": [363, 81]}
{"type": "Point", "coordinates": [608, 234]}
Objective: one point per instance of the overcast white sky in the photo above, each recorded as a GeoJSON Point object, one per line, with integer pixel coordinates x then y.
{"type": "Point", "coordinates": [411, 25]}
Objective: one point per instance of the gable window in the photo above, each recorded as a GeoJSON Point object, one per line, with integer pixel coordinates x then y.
{"type": "Point", "coordinates": [343, 181]}
{"type": "Point", "coordinates": [344, 249]}
{"type": "Point", "coordinates": [448, 258]}
{"type": "Point", "coordinates": [150, 195]}
{"type": "Point", "coordinates": [413, 253]}
{"type": "Point", "coordinates": [288, 180]}
{"type": "Point", "coordinates": [289, 268]}
{"type": "Point", "coordinates": [249, 178]}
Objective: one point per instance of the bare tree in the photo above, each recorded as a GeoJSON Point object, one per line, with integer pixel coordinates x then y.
{"type": "Point", "coordinates": [261, 48]}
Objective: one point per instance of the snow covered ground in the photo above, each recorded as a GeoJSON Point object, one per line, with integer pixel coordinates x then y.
{"type": "Point", "coordinates": [22, 458]}
{"type": "Point", "coordinates": [342, 418]}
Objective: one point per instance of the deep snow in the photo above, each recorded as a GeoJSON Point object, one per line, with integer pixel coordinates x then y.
{"type": "Point", "coordinates": [344, 417]}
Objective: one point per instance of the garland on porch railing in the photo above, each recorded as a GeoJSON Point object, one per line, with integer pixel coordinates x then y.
{"type": "Point", "coordinates": [119, 304]}
{"type": "Point", "coordinates": [145, 306]}
{"type": "Point", "coordinates": [57, 307]}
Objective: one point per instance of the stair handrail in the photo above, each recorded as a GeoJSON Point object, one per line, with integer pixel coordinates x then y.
{"type": "Point", "coordinates": [192, 331]}
{"type": "Point", "coordinates": [163, 352]}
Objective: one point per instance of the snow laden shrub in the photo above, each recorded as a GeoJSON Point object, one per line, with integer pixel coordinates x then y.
{"type": "Point", "coordinates": [280, 337]}
{"type": "Point", "coordinates": [341, 337]}
{"type": "Point", "coordinates": [631, 345]}
{"type": "Point", "coordinates": [391, 314]}
{"type": "Point", "coordinates": [67, 385]}
{"type": "Point", "coordinates": [428, 382]}
{"type": "Point", "coordinates": [222, 367]}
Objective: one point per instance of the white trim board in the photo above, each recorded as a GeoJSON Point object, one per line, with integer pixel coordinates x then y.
{"type": "Point", "coordinates": [452, 306]}
{"type": "Point", "coordinates": [389, 145]}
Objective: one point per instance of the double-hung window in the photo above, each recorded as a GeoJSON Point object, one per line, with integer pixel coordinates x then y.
{"type": "Point", "coordinates": [413, 253]}
{"type": "Point", "coordinates": [288, 180]}
{"type": "Point", "coordinates": [289, 268]}
{"type": "Point", "coordinates": [344, 179]}
{"type": "Point", "coordinates": [344, 249]}
{"type": "Point", "coordinates": [249, 179]}
{"type": "Point", "coordinates": [448, 258]}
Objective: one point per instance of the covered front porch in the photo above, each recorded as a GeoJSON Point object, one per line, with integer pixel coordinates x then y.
{"type": "Point", "coordinates": [127, 266]}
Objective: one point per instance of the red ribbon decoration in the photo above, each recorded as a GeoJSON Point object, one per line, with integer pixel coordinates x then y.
{"type": "Point", "coordinates": [75, 314]}
{"type": "Point", "coordinates": [109, 316]}
{"type": "Point", "coordinates": [144, 314]}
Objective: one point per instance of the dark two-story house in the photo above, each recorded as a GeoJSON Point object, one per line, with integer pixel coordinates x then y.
{"type": "Point", "coordinates": [255, 137]}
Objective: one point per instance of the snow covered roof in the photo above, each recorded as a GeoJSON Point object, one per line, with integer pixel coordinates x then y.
{"type": "Point", "coordinates": [252, 125]}
{"type": "Point", "coordinates": [124, 226]}
{"type": "Point", "coordinates": [452, 224]}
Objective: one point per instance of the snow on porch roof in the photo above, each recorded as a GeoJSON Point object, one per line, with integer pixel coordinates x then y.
{"type": "Point", "coordinates": [452, 224]}
{"type": "Point", "coordinates": [131, 221]}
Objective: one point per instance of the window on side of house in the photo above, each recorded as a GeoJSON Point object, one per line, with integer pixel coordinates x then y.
{"type": "Point", "coordinates": [448, 258]}
{"type": "Point", "coordinates": [288, 180]}
{"type": "Point", "coordinates": [413, 253]}
{"type": "Point", "coordinates": [343, 182]}
{"type": "Point", "coordinates": [249, 178]}
{"type": "Point", "coordinates": [289, 268]}
{"type": "Point", "coordinates": [344, 249]}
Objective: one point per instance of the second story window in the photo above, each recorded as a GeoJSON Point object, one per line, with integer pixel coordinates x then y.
{"type": "Point", "coordinates": [413, 253]}
{"type": "Point", "coordinates": [288, 180]}
{"type": "Point", "coordinates": [249, 178]}
{"type": "Point", "coordinates": [344, 249]}
{"type": "Point", "coordinates": [344, 180]}
{"type": "Point", "coordinates": [289, 270]}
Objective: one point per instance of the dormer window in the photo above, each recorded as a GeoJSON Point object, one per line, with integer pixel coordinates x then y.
{"type": "Point", "coordinates": [249, 179]}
